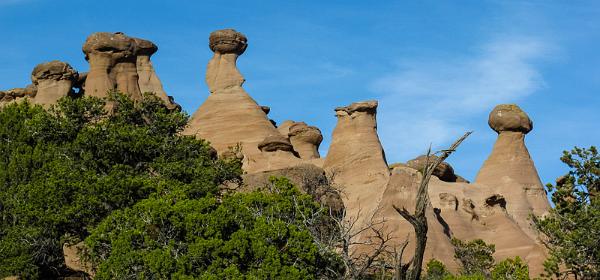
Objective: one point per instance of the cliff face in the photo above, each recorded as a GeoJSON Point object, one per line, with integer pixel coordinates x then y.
{"type": "Point", "coordinates": [495, 208]}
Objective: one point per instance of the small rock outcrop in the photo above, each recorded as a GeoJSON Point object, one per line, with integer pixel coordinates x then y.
{"type": "Point", "coordinates": [444, 171]}
{"type": "Point", "coordinates": [510, 169]}
{"type": "Point", "coordinates": [274, 143]}
{"type": "Point", "coordinates": [306, 140]}
{"type": "Point", "coordinates": [308, 177]}
{"type": "Point", "coordinates": [73, 260]}
{"type": "Point", "coordinates": [53, 80]}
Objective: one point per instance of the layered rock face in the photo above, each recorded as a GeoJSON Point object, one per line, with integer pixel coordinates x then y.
{"type": "Point", "coordinates": [509, 167]}
{"type": "Point", "coordinates": [356, 159]}
{"type": "Point", "coordinates": [229, 115]}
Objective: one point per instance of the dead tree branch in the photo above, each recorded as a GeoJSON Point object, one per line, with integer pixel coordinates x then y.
{"type": "Point", "coordinates": [418, 220]}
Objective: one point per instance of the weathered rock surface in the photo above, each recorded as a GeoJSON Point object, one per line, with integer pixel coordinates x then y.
{"type": "Point", "coordinates": [148, 80]}
{"type": "Point", "coordinates": [122, 63]}
{"type": "Point", "coordinates": [305, 139]}
{"type": "Point", "coordinates": [73, 260]}
{"type": "Point", "coordinates": [229, 115]}
{"type": "Point", "coordinates": [509, 167]}
{"type": "Point", "coordinates": [444, 171]}
{"type": "Point", "coordinates": [53, 80]}
{"type": "Point", "coordinates": [309, 178]}
{"type": "Point", "coordinates": [104, 50]}
{"type": "Point", "coordinates": [356, 159]}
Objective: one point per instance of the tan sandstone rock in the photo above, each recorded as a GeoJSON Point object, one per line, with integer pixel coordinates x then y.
{"type": "Point", "coordinates": [305, 139]}
{"type": "Point", "coordinates": [307, 177]}
{"type": "Point", "coordinates": [229, 115]}
{"type": "Point", "coordinates": [356, 159]}
{"type": "Point", "coordinates": [148, 79]}
{"type": "Point", "coordinates": [510, 169]}
{"type": "Point", "coordinates": [103, 50]}
{"type": "Point", "coordinates": [444, 171]}
{"type": "Point", "coordinates": [53, 80]}
{"type": "Point", "coordinates": [73, 260]}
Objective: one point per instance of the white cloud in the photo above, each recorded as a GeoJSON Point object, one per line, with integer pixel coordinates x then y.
{"type": "Point", "coordinates": [431, 101]}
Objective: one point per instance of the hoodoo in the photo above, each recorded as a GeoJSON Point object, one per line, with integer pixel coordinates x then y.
{"type": "Point", "coordinates": [495, 208]}
{"type": "Point", "coordinates": [148, 80]}
{"type": "Point", "coordinates": [356, 159]}
{"type": "Point", "coordinates": [53, 80]}
{"type": "Point", "coordinates": [306, 140]}
{"type": "Point", "coordinates": [229, 115]}
{"type": "Point", "coordinates": [509, 167]}
{"type": "Point", "coordinates": [103, 50]}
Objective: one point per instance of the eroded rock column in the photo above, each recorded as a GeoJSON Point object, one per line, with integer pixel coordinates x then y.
{"type": "Point", "coordinates": [148, 79]}
{"type": "Point", "coordinates": [356, 159]}
{"type": "Point", "coordinates": [306, 140]}
{"type": "Point", "coordinates": [229, 115]}
{"type": "Point", "coordinates": [112, 58]}
{"type": "Point", "coordinates": [53, 80]}
{"type": "Point", "coordinates": [510, 169]}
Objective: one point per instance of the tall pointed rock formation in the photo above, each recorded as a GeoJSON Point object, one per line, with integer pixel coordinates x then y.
{"type": "Point", "coordinates": [356, 158]}
{"type": "Point", "coordinates": [148, 80]}
{"type": "Point", "coordinates": [229, 115]}
{"type": "Point", "coordinates": [510, 169]}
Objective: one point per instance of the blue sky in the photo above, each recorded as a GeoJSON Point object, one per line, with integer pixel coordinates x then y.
{"type": "Point", "coordinates": [436, 67]}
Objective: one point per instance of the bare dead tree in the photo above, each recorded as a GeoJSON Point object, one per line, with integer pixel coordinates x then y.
{"type": "Point", "coordinates": [412, 270]}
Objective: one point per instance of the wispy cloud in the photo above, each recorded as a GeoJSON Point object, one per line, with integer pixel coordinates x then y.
{"type": "Point", "coordinates": [429, 101]}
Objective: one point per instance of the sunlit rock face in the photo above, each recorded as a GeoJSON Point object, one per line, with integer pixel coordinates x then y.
{"type": "Point", "coordinates": [496, 207]}
{"type": "Point", "coordinates": [510, 169]}
{"type": "Point", "coordinates": [122, 63]}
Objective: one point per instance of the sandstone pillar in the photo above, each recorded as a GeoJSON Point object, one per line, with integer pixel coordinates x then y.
{"type": "Point", "coordinates": [229, 115]}
{"type": "Point", "coordinates": [148, 79]}
{"type": "Point", "coordinates": [356, 159]}
{"type": "Point", "coordinates": [53, 80]}
{"type": "Point", "coordinates": [306, 140]}
{"type": "Point", "coordinates": [510, 169]}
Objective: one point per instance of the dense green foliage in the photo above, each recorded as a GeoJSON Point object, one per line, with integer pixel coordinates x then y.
{"type": "Point", "coordinates": [475, 256]}
{"type": "Point", "coordinates": [258, 235]}
{"type": "Point", "coordinates": [509, 269]}
{"type": "Point", "coordinates": [63, 170]}
{"type": "Point", "coordinates": [573, 227]}
{"type": "Point", "coordinates": [477, 263]}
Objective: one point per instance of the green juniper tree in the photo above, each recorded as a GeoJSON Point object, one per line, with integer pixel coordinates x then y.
{"type": "Point", "coordinates": [572, 229]}
{"type": "Point", "coordinates": [65, 169]}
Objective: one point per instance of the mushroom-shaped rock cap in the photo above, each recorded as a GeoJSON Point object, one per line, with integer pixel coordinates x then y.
{"type": "Point", "coordinates": [274, 143]}
{"type": "Point", "coordinates": [363, 106]}
{"type": "Point", "coordinates": [311, 134]}
{"type": "Point", "coordinates": [145, 47]}
{"type": "Point", "coordinates": [53, 70]}
{"type": "Point", "coordinates": [444, 171]}
{"type": "Point", "coordinates": [227, 41]}
{"type": "Point", "coordinates": [106, 42]}
{"type": "Point", "coordinates": [509, 117]}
